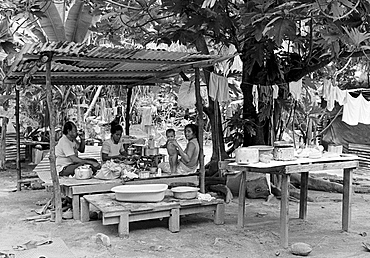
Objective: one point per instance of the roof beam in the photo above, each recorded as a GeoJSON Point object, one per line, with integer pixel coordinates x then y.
{"type": "Point", "coordinates": [89, 74]}
{"type": "Point", "coordinates": [102, 59]}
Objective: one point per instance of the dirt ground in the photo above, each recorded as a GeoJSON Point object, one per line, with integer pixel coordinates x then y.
{"type": "Point", "coordinates": [198, 236]}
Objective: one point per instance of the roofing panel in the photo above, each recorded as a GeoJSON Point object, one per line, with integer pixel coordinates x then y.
{"type": "Point", "coordinates": [77, 62]}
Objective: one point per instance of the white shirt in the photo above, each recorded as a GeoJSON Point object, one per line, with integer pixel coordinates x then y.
{"type": "Point", "coordinates": [63, 150]}
{"type": "Point", "coordinates": [112, 149]}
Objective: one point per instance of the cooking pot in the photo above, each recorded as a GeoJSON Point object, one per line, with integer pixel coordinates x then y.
{"type": "Point", "coordinates": [131, 151]}
{"type": "Point", "coordinates": [246, 155]}
{"type": "Point", "coordinates": [83, 172]}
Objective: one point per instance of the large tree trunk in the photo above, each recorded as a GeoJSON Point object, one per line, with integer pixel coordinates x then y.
{"type": "Point", "coordinates": [3, 143]}
{"type": "Point", "coordinates": [218, 143]}
{"type": "Point", "coordinates": [3, 133]}
{"type": "Point", "coordinates": [249, 112]}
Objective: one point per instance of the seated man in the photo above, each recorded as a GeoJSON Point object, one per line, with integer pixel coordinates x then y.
{"type": "Point", "coordinates": [66, 152]}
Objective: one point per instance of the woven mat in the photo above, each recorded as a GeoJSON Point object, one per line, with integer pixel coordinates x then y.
{"type": "Point", "coordinates": [57, 249]}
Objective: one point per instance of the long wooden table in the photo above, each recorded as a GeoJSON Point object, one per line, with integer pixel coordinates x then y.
{"type": "Point", "coordinates": [303, 166]}
{"type": "Point", "coordinates": [75, 188]}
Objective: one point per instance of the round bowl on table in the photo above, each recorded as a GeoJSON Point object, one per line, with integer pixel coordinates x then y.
{"type": "Point", "coordinates": [185, 192]}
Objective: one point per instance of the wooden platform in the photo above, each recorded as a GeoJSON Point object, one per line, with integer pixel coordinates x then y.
{"type": "Point", "coordinates": [122, 213]}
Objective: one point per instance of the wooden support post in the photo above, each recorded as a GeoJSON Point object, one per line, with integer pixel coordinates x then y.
{"type": "Point", "coordinates": [220, 214]}
{"type": "Point", "coordinates": [284, 210]}
{"type": "Point", "coordinates": [174, 220]}
{"type": "Point", "coordinates": [303, 196]}
{"type": "Point", "coordinates": [85, 210]}
{"type": "Point", "coordinates": [123, 226]}
{"type": "Point", "coordinates": [18, 139]}
{"type": "Point", "coordinates": [241, 208]}
{"type": "Point", "coordinates": [347, 198]}
{"type": "Point", "coordinates": [76, 206]}
{"type": "Point", "coordinates": [200, 134]}
{"type": "Point", "coordinates": [128, 111]}
{"type": "Point", "coordinates": [49, 97]}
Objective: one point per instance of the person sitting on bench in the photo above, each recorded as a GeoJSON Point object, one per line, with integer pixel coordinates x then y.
{"type": "Point", "coordinates": [66, 152]}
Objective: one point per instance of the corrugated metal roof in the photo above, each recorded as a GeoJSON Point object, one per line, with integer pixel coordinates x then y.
{"type": "Point", "coordinates": [77, 63]}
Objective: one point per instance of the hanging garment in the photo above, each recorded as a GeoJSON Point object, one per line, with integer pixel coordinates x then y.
{"type": "Point", "coordinates": [255, 97]}
{"type": "Point", "coordinates": [102, 109]}
{"type": "Point", "coordinates": [219, 88]}
{"type": "Point", "coordinates": [295, 88]}
{"type": "Point", "coordinates": [326, 88]}
{"type": "Point", "coordinates": [330, 98]}
{"type": "Point", "coordinates": [146, 117]}
{"type": "Point", "coordinates": [340, 95]}
{"type": "Point", "coordinates": [186, 97]}
{"type": "Point", "coordinates": [356, 110]}
{"type": "Point", "coordinates": [275, 91]}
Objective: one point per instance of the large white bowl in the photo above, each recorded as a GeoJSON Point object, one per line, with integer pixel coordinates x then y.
{"type": "Point", "coordinates": [140, 193]}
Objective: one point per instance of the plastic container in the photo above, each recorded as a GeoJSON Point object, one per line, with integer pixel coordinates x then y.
{"type": "Point", "coordinates": [185, 192]}
{"type": "Point", "coordinates": [246, 155]}
{"type": "Point", "coordinates": [140, 193]}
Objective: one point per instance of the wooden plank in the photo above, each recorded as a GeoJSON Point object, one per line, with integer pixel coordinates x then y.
{"type": "Point", "coordinates": [197, 209]}
{"type": "Point", "coordinates": [194, 179]}
{"type": "Point", "coordinates": [94, 188]}
{"type": "Point", "coordinates": [111, 220]}
{"type": "Point", "coordinates": [325, 166]}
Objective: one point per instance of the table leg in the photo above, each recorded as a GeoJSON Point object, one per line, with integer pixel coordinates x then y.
{"type": "Point", "coordinates": [241, 208]}
{"type": "Point", "coordinates": [220, 214]}
{"type": "Point", "coordinates": [347, 197]}
{"type": "Point", "coordinates": [85, 210]}
{"type": "Point", "coordinates": [76, 206]}
{"type": "Point", "coordinates": [284, 210]}
{"type": "Point", "coordinates": [303, 196]}
{"type": "Point", "coordinates": [123, 226]}
{"type": "Point", "coordinates": [174, 220]}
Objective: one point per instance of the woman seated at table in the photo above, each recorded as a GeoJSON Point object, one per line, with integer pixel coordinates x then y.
{"type": "Point", "coordinates": [113, 148]}
{"type": "Point", "coordinates": [188, 162]}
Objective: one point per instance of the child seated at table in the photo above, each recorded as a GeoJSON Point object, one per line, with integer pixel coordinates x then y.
{"type": "Point", "coordinates": [171, 150]}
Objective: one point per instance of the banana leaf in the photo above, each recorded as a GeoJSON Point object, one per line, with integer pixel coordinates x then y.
{"type": "Point", "coordinates": [52, 23]}
{"type": "Point", "coordinates": [78, 22]}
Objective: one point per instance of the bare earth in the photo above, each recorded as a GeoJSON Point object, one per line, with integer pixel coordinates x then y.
{"type": "Point", "coordinates": [198, 236]}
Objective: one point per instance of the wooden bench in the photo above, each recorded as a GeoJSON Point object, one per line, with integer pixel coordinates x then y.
{"type": "Point", "coordinates": [122, 213]}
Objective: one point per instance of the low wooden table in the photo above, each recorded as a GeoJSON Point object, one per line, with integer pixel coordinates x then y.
{"type": "Point", "coordinates": [122, 213]}
{"type": "Point", "coordinates": [75, 188]}
{"type": "Point", "coordinates": [303, 166]}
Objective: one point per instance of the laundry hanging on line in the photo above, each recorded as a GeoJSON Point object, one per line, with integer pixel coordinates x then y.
{"type": "Point", "coordinates": [219, 88]}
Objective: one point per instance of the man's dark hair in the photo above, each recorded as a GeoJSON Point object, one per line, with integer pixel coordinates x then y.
{"type": "Point", "coordinates": [68, 126]}
{"type": "Point", "coordinates": [114, 127]}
